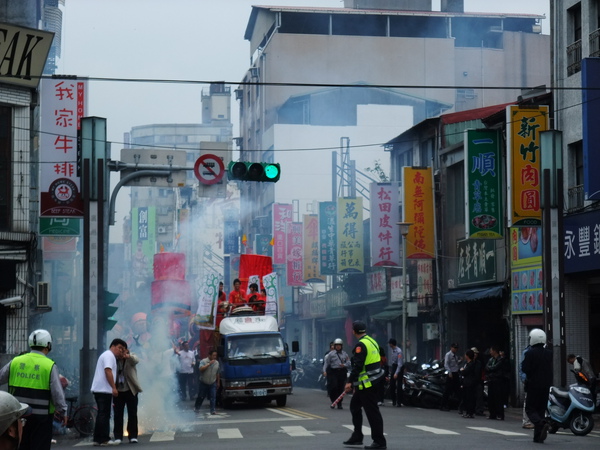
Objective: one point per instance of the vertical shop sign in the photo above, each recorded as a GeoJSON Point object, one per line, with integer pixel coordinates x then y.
{"type": "Point", "coordinates": [294, 254]}
{"type": "Point", "coordinates": [328, 238]}
{"type": "Point", "coordinates": [419, 210]}
{"type": "Point", "coordinates": [282, 215]}
{"type": "Point", "coordinates": [350, 235]}
{"type": "Point", "coordinates": [310, 227]}
{"type": "Point", "coordinates": [385, 233]}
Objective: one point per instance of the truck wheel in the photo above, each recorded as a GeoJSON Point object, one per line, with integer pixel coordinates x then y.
{"type": "Point", "coordinates": [227, 403]}
{"type": "Point", "coordinates": [581, 423]}
{"type": "Point", "coordinates": [281, 400]}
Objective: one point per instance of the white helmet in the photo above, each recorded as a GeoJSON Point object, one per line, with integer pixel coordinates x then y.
{"type": "Point", "coordinates": [338, 341]}
{"type": "Point", "coordinates": [10, 410]}
{"type": "Point", "coordinates": [40, 338]}
{"type": "Point", "coordinates": [537, 336]}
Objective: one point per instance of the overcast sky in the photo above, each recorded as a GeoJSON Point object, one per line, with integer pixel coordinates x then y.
{"type": "Point", "coordinates": [175, 40]}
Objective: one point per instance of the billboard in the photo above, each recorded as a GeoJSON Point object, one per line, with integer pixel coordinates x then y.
{"type": "Point", "coordinates": [385, 233]}
{"type": "Point", "coordinates": [282, 215]}
{"type": "Point", "coordinates": [328, 238]}
{"type": "Point", "coordinates": [294, 264]}
{"type": "Point", "coordinates": [418, 209]}
{"type": "Point", "coordinates": [310, 229]}
{"type": "Point", "coordinates": [350, 255]}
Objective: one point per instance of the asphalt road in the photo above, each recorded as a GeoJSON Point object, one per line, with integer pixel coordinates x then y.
{"type": "Point", "coordinates": [307, 422]}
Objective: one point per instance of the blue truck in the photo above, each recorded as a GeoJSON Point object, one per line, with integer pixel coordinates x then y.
{"type": "Point", "coordinates": [254, 359]}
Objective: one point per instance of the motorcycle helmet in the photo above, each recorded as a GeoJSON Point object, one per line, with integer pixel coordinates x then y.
{"type": "Point", "coordinates": [359, 326]}
{"type": "Point", "coordinates": [537, 336]}
{"type": "Point", "coordinates": [10, 410]}
{"type": "Point", "coordinates": [338, 341]}
{"type": "Point", "coordinates": [40, 338]}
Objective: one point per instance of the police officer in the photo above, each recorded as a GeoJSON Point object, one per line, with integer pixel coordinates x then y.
{"type": "Point", "coordinates": [11, 427]}
{"type": "Point", "coordinates": [34, 378]}
{"type": "Point", "coordinates": [537, 367]}
{"type": "Point", "coordinates": [366, 374]}
{"type": "Point", "coordinates": [335, 368]}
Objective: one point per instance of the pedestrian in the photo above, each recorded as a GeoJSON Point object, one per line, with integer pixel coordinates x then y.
{"type": "Point", "coordinates": [11, 423]}
{"type": "Point", "coordinates": [364, 377]}
{"type": "Point", "coordinates": [396, 369]}
{"type": "Point", "coordinates": [451, 364]}
{"type": "Point", "coordinates": [583, 367]}
{"type": "Point", "coordinates": [479, 403]}
{"type": "Point", "coordinates": [222, 305]}
{"type": "Point", "coordinates": [34, 378]}
{"type": "Point", "coordinates": [129, 388]}
{"type": "Point", "coordinates": [237, 297]}
{"type": "Point", "coordinates": [537, 367]}
{"type": "Point", "coordinates": [335, 367]}
{"type": "Point", "coordinates": [526, 422]}
{"type": "Point", "coordinates": [185, 370]}
{"type": "Point", "coordinates": [385, 368]}
{"type": "Point", "coordinates": [505, 377]}
{"type": "Point", "coordinates": [209, 382]}
{"type": "Point", "coordinates": [104, 388]}
{"type": "Point", "coordinates": [470, 376]}
{"type": "Point", "coordinates": [495, 371]}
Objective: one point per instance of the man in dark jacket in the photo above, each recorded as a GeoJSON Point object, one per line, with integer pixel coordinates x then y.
{"type": "Point", "coordinates": [495, 370]}
{"type": "Point", "coordinates": [537, 367]}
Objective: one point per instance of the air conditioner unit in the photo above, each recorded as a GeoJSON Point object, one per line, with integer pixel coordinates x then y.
{"type": "Point", "coordinates": [43, 295]}
{"type": "Point", "coordinates": [161, 230]}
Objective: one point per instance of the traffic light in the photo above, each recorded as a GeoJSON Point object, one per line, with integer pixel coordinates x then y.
{"type": "Point", "coordinates": [109, 310]}
{"type": "Point", "coordinates": [254, 171]}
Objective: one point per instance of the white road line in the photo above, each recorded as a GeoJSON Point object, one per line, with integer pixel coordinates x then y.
{"type": "Point", "coordinates": [493, 430]}
{"type": "Point", "coordinates": [232, 421]}
{"type": "Point", "coordinates": [161, 436]}
{"type": "Point", "coordinates": [229, 433]}
{"type": "Point", "coordinates": [365, 430]}
{"type": "Point", "coordinates": [283, 413]}
{"type": "Point", "coordinates": [296, 430]}
{"type": "Point", "coordinates": [432, 429]}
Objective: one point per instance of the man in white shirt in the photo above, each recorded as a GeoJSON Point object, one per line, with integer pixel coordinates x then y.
{"type": "Point", "coordinates": [185, 371]}
{"type": "Point", "coordinates": [104, 387]}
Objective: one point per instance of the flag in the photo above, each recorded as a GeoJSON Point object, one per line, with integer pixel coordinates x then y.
{"type": "Point", "coordinates": [244, 240]}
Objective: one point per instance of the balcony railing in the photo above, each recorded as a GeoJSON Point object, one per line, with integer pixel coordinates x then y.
{"type": "Point", "coordinates": [595, 43]}
{"type": "Point", "coordinates": [574, 58]}
{"type": "Point", "coordinates": [575, 200]}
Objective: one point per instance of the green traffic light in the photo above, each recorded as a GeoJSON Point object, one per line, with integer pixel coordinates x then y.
{"type": "Point", "coordinates": [253, 171]}
{"type": "Point", "coordinates": [271, 171]}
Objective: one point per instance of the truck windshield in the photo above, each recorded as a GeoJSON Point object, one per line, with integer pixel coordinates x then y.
{"type": "Point", "coordinates": [245, 347]}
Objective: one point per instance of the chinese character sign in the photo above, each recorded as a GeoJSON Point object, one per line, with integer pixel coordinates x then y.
{"type": "Point", "coordinates": [328, 238]}
{"type": "Point", "coordinates": [476, 261]}
{"type": "Point", "coordinates": [310, 227]}
{"type": "Point", "coordinates": [483, 184]}
{"type": "Point", "coordinates": [262, 244]}
{"type": "Point", "coordinates": [527, 293]}
{"type": "Point", "coordinates": [419, 210]}
{"type": "Point", "coordinates": [294, 265]}
{"type": "Point", "coordinates": [350, 254]}
{"type": "Point", "coordinates": [282, 215]}
{"type": "Point", "coordinates": [424, 282]}
{"type": "Point", "coordinates": [581, 243]}
{"type": "Point", "coordinates": [63, 104]}
{"type": "Point", "coordinates": [376, 282]}
{"type": "Point", "coordinates": [524, 163]}
{"type": "Point", "coordinates": [385, 233]}
{"type": "Point", "coordinates": [143, 241]}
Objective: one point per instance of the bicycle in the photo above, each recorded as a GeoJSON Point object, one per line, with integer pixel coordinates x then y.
{"type": "Point", "coordinates": [82, 418]}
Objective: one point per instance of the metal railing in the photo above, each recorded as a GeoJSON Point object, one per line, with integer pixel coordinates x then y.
{"type": "Point", "coordinates": [575, 199]}
{"type": "Point", "coordinates": [595, 43]}
{"type": "Point", "coordinates": [574, 58]}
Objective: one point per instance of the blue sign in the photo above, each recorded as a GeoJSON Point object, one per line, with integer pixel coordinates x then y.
{"type": "Point", "coordinates": [582, 242]}
{"type": "Point", "coordinates": [231, 240]}
{"type": "Point", "coordinates": [590, 105]}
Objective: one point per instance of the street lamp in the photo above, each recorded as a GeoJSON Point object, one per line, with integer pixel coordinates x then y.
{"type": "Point", "coordinates": [404, 228]}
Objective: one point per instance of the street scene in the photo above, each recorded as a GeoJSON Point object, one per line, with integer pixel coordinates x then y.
{"type": "Point", "coordinates": [339, 223]}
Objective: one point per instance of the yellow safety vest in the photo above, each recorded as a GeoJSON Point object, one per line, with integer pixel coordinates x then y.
{"type": "Point", "coordinates": [29, 382]}
{"type": "Point", "coordinates": [372, 368]}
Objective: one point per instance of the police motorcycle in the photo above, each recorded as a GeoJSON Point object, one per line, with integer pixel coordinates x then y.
{"type": "Point", "coordinates": [571, 408]}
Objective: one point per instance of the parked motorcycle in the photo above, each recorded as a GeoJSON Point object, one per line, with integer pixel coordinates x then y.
{"type": "Point", "coordinates": [572, 408]}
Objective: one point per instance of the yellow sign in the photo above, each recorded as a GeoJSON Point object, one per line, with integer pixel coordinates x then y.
{"type": "Point", "coordinates": [524, 163]}
{"type": "Point", "coordinates": [310, 225]}
{"type": "Point", "coordinates": [419, 210]}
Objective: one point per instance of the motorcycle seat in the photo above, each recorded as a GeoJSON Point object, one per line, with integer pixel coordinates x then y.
{"type": "Point", "coordinates": [559, 392]}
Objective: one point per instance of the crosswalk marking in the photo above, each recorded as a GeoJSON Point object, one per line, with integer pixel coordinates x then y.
{"type": "Point", "coordinates": [365, 430]}
{"type": "Point", "coordinates": [161, 436]}
{"type": "Point", "coordinates": [502, 432]}
{"type": "Point", "coordinates": [283, 413]}
{"type": "Point", "coordinates": [432, 429]}
{"type": "Point", "coordinates": [229, 433]}
{"type": "Point", "coordinates": [296, 430]}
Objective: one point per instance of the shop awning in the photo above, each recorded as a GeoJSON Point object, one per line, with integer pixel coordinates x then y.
{"type": "Point", "coordinates": [367, 302]}
{"type": "Point", "coordinates": [390, 314]}
{"type": "Point", "coordinates": [473, 294]}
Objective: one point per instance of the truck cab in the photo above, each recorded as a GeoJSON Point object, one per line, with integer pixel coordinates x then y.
{"type": "Point", "coordinates": [254, 360]}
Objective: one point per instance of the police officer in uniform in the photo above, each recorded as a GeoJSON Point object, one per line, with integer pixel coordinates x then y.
{"type": "Point", "coordinates": [33, 378]}
{"type": "Point", "coordinates": [366, 374]}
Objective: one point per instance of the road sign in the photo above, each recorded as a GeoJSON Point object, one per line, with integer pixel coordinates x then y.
{"type": "Point", "coordinates": [59, 226]}
{"type": "Point", "coordinates": [209, 169]}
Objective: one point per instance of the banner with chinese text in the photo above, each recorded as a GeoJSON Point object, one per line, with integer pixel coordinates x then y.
{"type": "Point", "coordinates": [271, 284]}
{"type": "Point", "coordinates": [350, 255]}
{"type": "Point", "coordinates": [63, 104]}
{"type": "Point", "coordinates": [418, 209]}
{"type": "Point", "coordinates": [424, 288]}
{"type": "Point", "coordinates": [282, 215]}
{"type": "Point", "coordinates": [262, 244]}
{"type": "Point", "coordinates": [385, 233]}
{"type": "Point", "coordinates": [476, 262]}
{"type": "Point", "coordinates": [483, 182]}
{"type": "Point", "coordinates": [310, 227]}
{"type": "Point", "coordinates": [328, 238]}
{"type": "Point", "coordinates": [294, 254]}
{"type": "Point", "coordinates": [523, 127]}
{"type": "Point", "coordinates": [582, 242]}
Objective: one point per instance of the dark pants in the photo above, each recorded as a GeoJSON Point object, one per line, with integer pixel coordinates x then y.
{"type": "Point", "coordinates": [452, 387]}
{"type": "Point", "coordinates": [395, 386]}
{"type": "Point", "coordinates": [126, 398]}
{"type": "Point", "coordinates": [479, 403]}
{"type": "Point", "coordinates": [336, 381]}
{"type": "Point", "coordinates": [367, 400]}
{"type": "Point", "coordinates": [469, 396]}
{"type": "Point", "coordinates": [495, 399]}
{"type": "Point", "coordinates": [102, 428]}
{"type": "Point", "coordinates": [37, 432]}
{"type": "Point", "coordinates": [206, 390]}
{"type": "Point", "coordinates": [186, 385]}
{"type": "Point", "coordinates": [535, 408]}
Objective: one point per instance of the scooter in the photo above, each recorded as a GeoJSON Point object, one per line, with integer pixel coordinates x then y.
{"type": "Point", "coordinates": [572, 408]}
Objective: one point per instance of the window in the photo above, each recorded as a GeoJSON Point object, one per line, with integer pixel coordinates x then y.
{"type": "Point", "coordinates": [575, 193]}
{"type": "Point", "coordinates": [6, 149]}
{"type": "Point", "coordinates": [574, 38]}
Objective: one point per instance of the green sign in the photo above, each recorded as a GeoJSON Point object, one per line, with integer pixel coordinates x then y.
{"type": "Point", "coordinates": [483, 177]}
{"type": "Point", "coordinates": [57, 226]}
{"type": "Point", "coordinates": [476, 262]}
